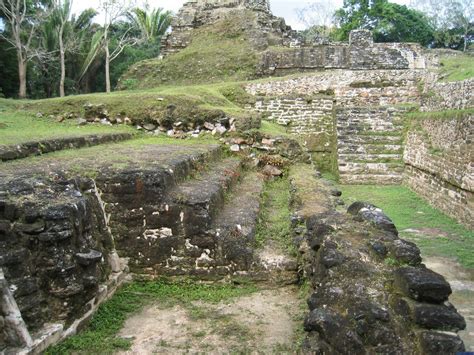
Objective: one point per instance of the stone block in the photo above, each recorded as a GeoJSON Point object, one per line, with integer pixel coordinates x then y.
{"type": "Point", "coordinates": [422, 284]}
{"type": "Point", "coordinates": [434, 343]}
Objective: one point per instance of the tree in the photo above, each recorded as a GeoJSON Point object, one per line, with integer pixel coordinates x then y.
{"type": "Point", "coordinates": [318, 17]}
{"type": "Point", "coordinates": [452, 20]}
{"type": "Point", "coordinates": [390, 22]}
{"type": "Point", "coordinates": [462, 16]}
{"type": "Point", "coordinates": [61, 15]}
{"type": "Point", "coordinates": [113, 11]}
{"type": "Point", "coordinates": [22, 18]}
{"type": "Point", "coordinates": [152, 24]}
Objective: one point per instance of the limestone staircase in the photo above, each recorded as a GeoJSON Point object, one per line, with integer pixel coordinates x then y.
{"type": "Point", "coordinates": [370, 145]}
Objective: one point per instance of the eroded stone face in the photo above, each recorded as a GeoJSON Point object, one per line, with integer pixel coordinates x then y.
{"type": "Point", "coordinates": [53, 244]}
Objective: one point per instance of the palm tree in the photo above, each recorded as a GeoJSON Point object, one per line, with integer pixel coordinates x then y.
{"type": "Point", "coordinates": [152, 24]}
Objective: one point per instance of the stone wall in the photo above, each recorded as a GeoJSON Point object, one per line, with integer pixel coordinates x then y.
{"type": "Point", "coordinates": [361, 53]}
{"type": "Point", "coordinates": [56, 256]}
{"type": "Point", "coordinates": [312, 118]}
{"type": "Point", "coordinates": [352, 119]}
{"type": "Point", "coordinates": [438, 157]}
{"type": "Point", "coordinates": [457, 95]}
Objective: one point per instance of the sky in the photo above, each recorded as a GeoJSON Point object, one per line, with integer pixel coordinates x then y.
{"type": "Point", "coordinates": [282, 8]}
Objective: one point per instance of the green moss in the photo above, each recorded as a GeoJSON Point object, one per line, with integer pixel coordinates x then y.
{"type": "Point", "coordinates": [100, 336]}
{"type": "Point", "coordinates": [410, 212]}
{"type": "Point", "coordinates": [457, 68]}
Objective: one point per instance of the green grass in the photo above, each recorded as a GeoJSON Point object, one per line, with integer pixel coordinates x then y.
{"type": "Point", "coordinates": [274, 222]}
{"type": "Point", "coordinates": [273, 129]}
{"type": "Point", "coordinates": [100, 336]}
{"type": "Point", "coordinates": [19, 127]}
{"type": "Point", "coordinates": [220, 52]}
{"type": "Point", "coordinates": [457, 68]}
{"type": "Point", "coordinates": [408, 211]}
{"type": "Point", "coordinates": [440, 115]}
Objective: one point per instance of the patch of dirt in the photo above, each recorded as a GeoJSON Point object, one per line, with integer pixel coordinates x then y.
{"type": "Point", "coordinates": [267, 321]}
{"type": "Point", "coordinates": [462, 283]}
{"type": "Point", "coordinates": [428, 232]}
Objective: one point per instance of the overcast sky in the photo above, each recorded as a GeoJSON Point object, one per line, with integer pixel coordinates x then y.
{"type": "Point", "coordinates": [282, 8]}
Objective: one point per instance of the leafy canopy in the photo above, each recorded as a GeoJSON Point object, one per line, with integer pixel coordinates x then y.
{"type": "Point", "coordinates": [389, 22]}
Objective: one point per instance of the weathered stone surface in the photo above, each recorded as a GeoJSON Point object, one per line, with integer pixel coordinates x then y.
{"type": "Point", "coordinates": [405, 252]}
{"type": "Point", "coordinates": [90, 258]}
{"type": "Point", "coordinates": [444, 179]}
{"type": "Point", "coordinates": [353, 307]}
{"type": "Point", "coordinates": [422, 284]}
{"type": "Point", "coordinates": [370, 213]}
{"type": "Point", "coordinates": [24, 150]}
{"type": "Point", "coordinates": [434, 343]}
{"type": "Point", "coordinates": [431, 316]}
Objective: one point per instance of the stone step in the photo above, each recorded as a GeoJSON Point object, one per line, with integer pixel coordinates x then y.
{"type": "Point", "coordinates": [166, 228]}
{"type": "Point", "coordinates": [371, 139]}
{"type": "Point", "coordinates": [356, 130]}
{"type": "Point", "coordinates": [235, 226]}
{"type": "Point", "coordinates": [344, 148]}
{"type": "Point", "coordinates": [228, 245]}
{"type": "Point", "coordinates": [196, 202]}
{"type": "Point", "coordinates": [371, 168]}
{"type": "Point", "coordinates": [370, 179]}
{"type": "Point", "coordinates": [368, 158]}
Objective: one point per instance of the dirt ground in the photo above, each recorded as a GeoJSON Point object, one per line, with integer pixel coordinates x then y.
{"type": "Point", "coordinates": [268, 321]}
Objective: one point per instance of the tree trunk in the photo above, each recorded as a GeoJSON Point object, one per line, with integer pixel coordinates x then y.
{"type": "Point", "coordinates": [22, 67]}
{"type": "Point", "coordinates": [107, 67]}
{"type": "Point", "coordinates": [465, 42]}
{"type": "Point", "coordinates": [63, 65]}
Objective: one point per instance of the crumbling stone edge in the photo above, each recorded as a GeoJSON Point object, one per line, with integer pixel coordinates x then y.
{"type": "Point", "coordinates": [54, 333]}
{"type": "Point", "coordinates": [24, 150]}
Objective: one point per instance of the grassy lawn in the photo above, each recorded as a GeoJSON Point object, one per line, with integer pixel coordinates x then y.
{"type": "Point", "coordinates": [437, 234]}
{"type": "Point", "coordinates": [457, 68]}
{"type": "Point", "coordinates": [100, 336]}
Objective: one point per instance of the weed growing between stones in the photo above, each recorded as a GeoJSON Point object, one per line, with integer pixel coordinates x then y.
{"type": "Point", "coordinates": [100, 335]}
{"type": "Point", "coordinates": [434, 232]}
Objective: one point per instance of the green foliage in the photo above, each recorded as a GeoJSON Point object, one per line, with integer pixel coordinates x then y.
{"type": "Point", "coordinates": [457, 68]}
{"type": "Point", "coordinates": [390, 22]}
{"type": "Point", "coordinates": [409, 211]}
{"type": "Point", "coordinates": [152, 24]}
{"type": "Point", "coordinates": [8, 70]}
{"type": "Point", "coordinates": [100, 335]}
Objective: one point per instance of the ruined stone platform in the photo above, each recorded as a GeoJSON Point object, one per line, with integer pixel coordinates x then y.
{"type": "Point", "coordinates": [72, 224]}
